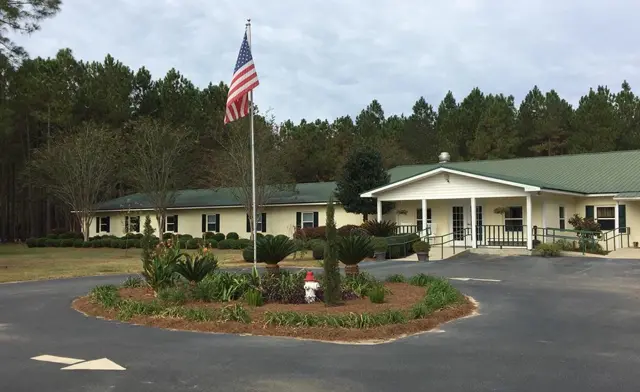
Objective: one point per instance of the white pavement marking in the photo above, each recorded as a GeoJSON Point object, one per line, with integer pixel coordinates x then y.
{"type": "Point", "coordinates": [96, 364]}
{"type": "Point", "coordinates": [477, 279]}
{"type": "Point", "coordinates": [54, 359]}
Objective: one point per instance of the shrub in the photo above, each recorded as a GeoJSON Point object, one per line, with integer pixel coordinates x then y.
{"type": "Point", "coordinates": [195, 269]}
{"type": "Point", "coordinates": [32, 242]}
{"type": "Point", "coordinates": [113, 243]}
{"type": "Point", "coordinates": [105, 295]}
{"type": "Point", "coordinates": [421, 247]}
{"type": "Point", "coordinates": [136, 243]}
{"type": "Point", "coordinates": [547, 250]}
{"type": "Point", "coordinates": [78, 243]}
{"type": "Point", "coordinates": [219, 237]}
{"type": "Point", "coordinates": [272, 250]}
{"type": "Point", "coordinates": [318, 250]}
{"type": "Point", "coordinates": [243, 243]}
{"type": "Point", "coordinates": [86, 244]}
{"type": "Point", "coordinates": [360, 284]}
{"type": "Point", "coordinates": [233, 236]}
{"type": "Point", "coordinates": [51, 243]}
{"type": "Point", "coordinates": [52, 236]}
{"type": "Point", "coordinates": [396, 278]}
{"type": "Point", "coordinates": [159, 271]}
{"type": "Point", "coordinates": [348, 230]}
{"type": "Point", "coordinates": [311, 233]}
{"type": "Point", "coordinates": [210, 243]}
{"type": "Point", "coordinates": [376, 294]}
{"type": "Point", "coordinates": [228, 244]}
{"type": "Point", "coordinates": [352, 249]}
{"type": "Point", "coordinates": [133, 282]}
{"type": "Point", "coordinates": [66, 243]}
{"type": "Point", "coordinates": [96, 243]}
{"type": "Point", "coordinates": [253, 297]}
{"type": "Point", "coordinates": [379, 244]}
{"type": "Point", "coordinates": [167, 236]}
{"type": "Point", "coordinates": [380, 229]}
{"type": "Point", "coordinates": [184, 237]}
{"type": "Point", "coordinates": [208, 235]}
{"type": "Point", "coordinates": [192, 244]}
{"type": "Point", "coordinates": [41, 242]}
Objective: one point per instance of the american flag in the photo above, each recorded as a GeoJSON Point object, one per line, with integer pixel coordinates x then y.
{"type": "Point", "coordinates": [244, 80]}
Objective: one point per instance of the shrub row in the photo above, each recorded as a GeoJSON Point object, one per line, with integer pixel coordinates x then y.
{"type": "Point", "coordinates": [132, 242]}
{"type": "Point", "coordinates": [320, 232]}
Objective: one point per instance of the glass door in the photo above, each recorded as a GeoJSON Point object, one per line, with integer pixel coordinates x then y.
{"type": "Point", "coordinates": [457, 224]}
{"type": "Point", "coordinates": [479, 220]}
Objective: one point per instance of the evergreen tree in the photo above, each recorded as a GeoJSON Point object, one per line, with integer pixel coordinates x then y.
{"type": "Point", "coordinates": [418, 136]}
{"type": "Point", "coordinates": [627, 107]}
{"type": "Point", "coordinates": [496, 136]}
{"type": "Point", "coordinates": [332, 290]}
{"type": "Point", "coordinates": [596, 126]}
{"type": "Point", "coordinates": [471, 111]}
{"type": "Point", "coordinates": [363, 171]}
{"type": "Point", "coordinates": [147, 242]}
{"type": "Point", "coordinates": [447, 126]}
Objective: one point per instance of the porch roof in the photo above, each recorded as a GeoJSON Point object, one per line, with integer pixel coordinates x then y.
{"type": "Point", "coordinates": [594, 173]}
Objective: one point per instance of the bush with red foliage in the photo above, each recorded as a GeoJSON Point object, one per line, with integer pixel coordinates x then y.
{"type": "Point", "coordinates": [320, 232]}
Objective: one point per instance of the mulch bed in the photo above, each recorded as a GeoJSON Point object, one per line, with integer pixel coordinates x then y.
{"type": "Point", "coordinates": [402, 297]}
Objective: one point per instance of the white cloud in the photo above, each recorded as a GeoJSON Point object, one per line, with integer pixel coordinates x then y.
{"type": "Point", "coordinates": [330, 58]}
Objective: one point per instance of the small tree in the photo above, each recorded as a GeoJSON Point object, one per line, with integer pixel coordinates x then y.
{"type": "Point", "coordinates": [147, 243]}
{"type": "Point", "coordinates": [332, 291]}
{"type": "Point", "coordinates": [158, 162]}
{"type": "Point", "coordinates": [362, 172]}
{"type": "Point", "coordinates": [78, 168]}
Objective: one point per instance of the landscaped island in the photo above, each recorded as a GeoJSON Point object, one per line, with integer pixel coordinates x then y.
{"type": "Point", "coordinates": [371, 310]}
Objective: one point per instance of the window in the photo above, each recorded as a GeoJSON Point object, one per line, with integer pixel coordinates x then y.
{"type": "Point", "coordinates": [132, 224]}
{"type": "Point", "coordinates": [513, 219]}
{"type": "Point", "coordinates": [561, 217]}
{"type": "Point", "coordinates": [606, 217]}
{"type": "Point", "coordinates": [419, 218]}
{"type": "Point", "coordinates": [212, 223]}
{"type": "Point", "coordinates": [172, 224]}
{"type": "Point", "coordinates": [103, 224]}
{"type": "Point", "coordinates": [259, 223]}
{"type": "Point", "coordinates": [308, 219]}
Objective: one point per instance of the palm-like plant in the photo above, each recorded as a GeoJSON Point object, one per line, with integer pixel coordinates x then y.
{"type": "Point", "coordinates": [272, 250]}
{"type": "Point", "coordinates": [195, 269]}
{"type": "Point", "coordinates": [353, 249]}
{"type": "Point", "coordinates": [379, 228]}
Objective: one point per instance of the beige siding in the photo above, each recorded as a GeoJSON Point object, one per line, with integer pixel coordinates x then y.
{"type": "Point", "coordinates": [280, 220]}
{"type": "Point", "coordinates": [457, 187]}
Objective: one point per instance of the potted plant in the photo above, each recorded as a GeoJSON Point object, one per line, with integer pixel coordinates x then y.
{"type": "Point", "coordinates": [380, 247]}
{"type": "Point", "coordinates": [422, 249]}
{"type": "Point", "coordinates": [352, 249]}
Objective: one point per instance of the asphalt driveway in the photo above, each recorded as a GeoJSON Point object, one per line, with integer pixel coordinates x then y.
{"type": "Point", "coordinates": [566, 324]}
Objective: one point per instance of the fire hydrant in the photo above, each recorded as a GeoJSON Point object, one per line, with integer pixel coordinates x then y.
{"type": "Point", "coordinates": [310, 287]}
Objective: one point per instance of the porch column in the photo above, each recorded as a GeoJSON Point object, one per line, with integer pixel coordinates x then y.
{"type": "Point", "coordinates": [424, 216]}
{"type": "Point", "coordinates": [474, 220]}
{"type": "Point", "coordinates": [529, 223]}
{"type": "Point", "coordinates": [617, 221]}
{"type": "Point", "coordinates": [379, 205]}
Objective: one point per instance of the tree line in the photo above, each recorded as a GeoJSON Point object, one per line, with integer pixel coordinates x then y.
{"type": "Point", "coordinates": [47, 102]}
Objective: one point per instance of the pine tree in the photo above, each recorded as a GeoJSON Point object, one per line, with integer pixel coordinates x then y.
{"type": "Point", "coordinates": [147, 242]}
{"type": "Point", "coordinates": [332, 291]}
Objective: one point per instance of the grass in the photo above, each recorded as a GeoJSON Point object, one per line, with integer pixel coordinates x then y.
{"type": "Point", "coordinates": [19, 263]}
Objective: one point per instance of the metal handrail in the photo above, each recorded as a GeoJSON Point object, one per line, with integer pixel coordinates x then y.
{"type": "Point", "coordinates": [585, 236]}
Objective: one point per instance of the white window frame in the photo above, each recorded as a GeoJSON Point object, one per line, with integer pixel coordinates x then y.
{"type": "Point", "coordinates": [103, 226]}
{"type": "Point", "coordinates": [521, 219]}
{"type": "Point", "coordinates": [167, 223]}
{"type": "Point", "coordinates": [562, 217]}
{"type": "Point", "coordinates": [598, 219]}
{"type": "Point", "coordinates": [304, 221]}
{"type": "Point", "coordinates": [259, 223]}
{"type": "Point", "coordinates": [128, 218]}
{"type": "Point", "coordinates": [214, 223]}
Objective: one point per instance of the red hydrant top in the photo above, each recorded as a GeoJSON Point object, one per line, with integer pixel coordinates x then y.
{"type": "Point", "coordinates": [309, 277]}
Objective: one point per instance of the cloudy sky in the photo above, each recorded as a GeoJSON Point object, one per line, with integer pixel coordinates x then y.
{"type": "Point", "coordinates": [327, 58]}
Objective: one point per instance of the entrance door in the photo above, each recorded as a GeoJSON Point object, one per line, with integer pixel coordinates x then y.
{"type": "Point", "coordinates": [479, 220]}
{"type": "Point", "coordinates": [458, 224]}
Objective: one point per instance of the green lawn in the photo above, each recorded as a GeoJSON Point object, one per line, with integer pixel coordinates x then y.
{"type": "Point", "coordinates": [18, 262]}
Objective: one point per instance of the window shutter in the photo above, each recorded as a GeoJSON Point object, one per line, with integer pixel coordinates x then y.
{"type": "Point", "coordinates": [218, 223]}
{"type": "Point", "coordinates": [622, 218]}
{"type": "Point", "coordinates": [98, 225]}
{"type": "Point", "coordinates": [419, 222]}
{"type": "Point", "coordinates": [315, 219]}
{"type": "Point", "coordinates": [429, 213]}
{"type": "Point", "coordinates": [588, 212]}
{"type": "Point", "coordinates": [248, 224]}
{"type": "Point", "coordinates": [175, 219]}
{"type": "Point", "coordinates": [298, 219]}
{"type": "Point", "coordinates": [204, 223]}
{"type": "Point", "coordinates": [108, 218]}
{"type": "Point", "coordinates": [264, 222]}
{"type": "Point", "coordinates": [126, 224]}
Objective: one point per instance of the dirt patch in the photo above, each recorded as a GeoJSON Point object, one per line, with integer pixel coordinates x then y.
{"type": "Point", "coordinates": [402, 297]}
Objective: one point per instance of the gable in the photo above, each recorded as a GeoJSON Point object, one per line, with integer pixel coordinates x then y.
{"type": "Point", "coordinates": [446, 185]}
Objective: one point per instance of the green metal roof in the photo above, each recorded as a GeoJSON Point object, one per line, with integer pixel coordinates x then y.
{"type": "Point", "coordinates": [317, 192]}
{"type": "Point", "coordinates": [607, 172]}
{"type": "Point", "coordinates": [628, 195]}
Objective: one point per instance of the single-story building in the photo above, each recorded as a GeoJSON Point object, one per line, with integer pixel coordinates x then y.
{"type": "Point", "coordinates": [196, 211]}
{"type": "Point", "coordinates": [512, 202]}
{"type": "Point", "coordinates": [492, 203]}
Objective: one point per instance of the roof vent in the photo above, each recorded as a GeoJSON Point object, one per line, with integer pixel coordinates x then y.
{"type": "Point", "coordinates": [444, 157]}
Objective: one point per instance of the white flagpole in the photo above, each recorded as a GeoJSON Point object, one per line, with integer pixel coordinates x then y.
{"type": "Point", "coordinates": [253, 166]}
